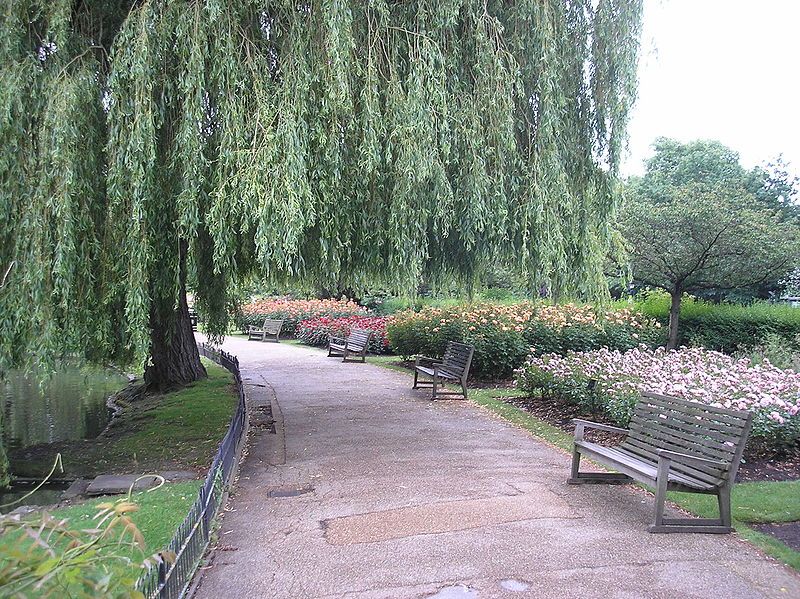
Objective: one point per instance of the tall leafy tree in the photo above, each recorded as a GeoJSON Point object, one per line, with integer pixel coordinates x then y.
{"type": "Point", "coordinates": [692, 224]}
{"type": "Point", "coordinates": [146, 141]}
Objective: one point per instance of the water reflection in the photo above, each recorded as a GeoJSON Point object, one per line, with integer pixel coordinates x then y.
{"type": "Point", "coordinates": [70, 405]}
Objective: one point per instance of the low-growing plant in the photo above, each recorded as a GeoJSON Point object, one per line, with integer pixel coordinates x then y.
{"type": "Point", "coordinates": [611, 382]}
{"type": "Point", "coordinates": [52, 559]}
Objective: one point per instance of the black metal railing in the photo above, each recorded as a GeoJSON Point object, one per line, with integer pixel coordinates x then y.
{"type": "Point", "coordinates": [171, 578]}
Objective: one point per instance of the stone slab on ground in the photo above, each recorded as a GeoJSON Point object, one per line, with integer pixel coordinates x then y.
{"type": "Point", "coordinates": [76, 489]}
{"type": "Point", "coordinates": [368, 490]}
{"type": "Point", "coordinates": [114, 484]}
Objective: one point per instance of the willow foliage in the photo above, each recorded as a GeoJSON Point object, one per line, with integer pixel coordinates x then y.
{"type": "Point", "coordinates": [343, 143]}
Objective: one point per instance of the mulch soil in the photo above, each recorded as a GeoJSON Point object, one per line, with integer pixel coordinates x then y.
{"type": "Point", "coordinates": [788, 532]}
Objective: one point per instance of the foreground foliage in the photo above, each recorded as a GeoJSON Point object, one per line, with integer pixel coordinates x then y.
{"type": "Point", "coordinates": [610, 382]}
{"type": "Point", "coordinates": [94, 549]}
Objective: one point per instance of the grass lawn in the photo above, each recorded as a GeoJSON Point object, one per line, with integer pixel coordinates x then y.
{"type": "Point", "coordinates": [752, 502]}
{"type": "Point", "coordinates": [174, 431]}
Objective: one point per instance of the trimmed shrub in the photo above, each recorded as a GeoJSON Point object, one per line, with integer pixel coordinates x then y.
{"type": "Point", "coordinates": [610, 382]}
{"type": "Point", "coordinates": [728, 328]}
{"type": "Point", "coordinates": [316, 331]}
{"type": "Point", "coordinates": [293, 312]}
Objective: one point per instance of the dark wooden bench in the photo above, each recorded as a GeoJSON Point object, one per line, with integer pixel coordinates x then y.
{"type": "Point", "coordinates": [355, 344]}
{"type": "Point", "coordinates": [453, 367]}
{"type": "Point", "coordinates": [672, 444]}
{"type": "Point", "coordinates": [271, 327]}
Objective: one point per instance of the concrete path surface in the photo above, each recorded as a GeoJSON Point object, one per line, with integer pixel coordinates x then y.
{"type": "Point", "coordinates": [368, 489]}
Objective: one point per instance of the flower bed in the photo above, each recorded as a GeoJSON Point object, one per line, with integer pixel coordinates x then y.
{"type": "Point", "coordinates": [503, 335]}
{"type": "Point", "coordinates": [293, 312]}
{"type": "Point", "coordinates": [315, 331]}
{"type": "Point", "coordinates": [610, 382]}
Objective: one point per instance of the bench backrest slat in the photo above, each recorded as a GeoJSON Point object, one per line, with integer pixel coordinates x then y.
{"type": "Point", "coordinates": [272, 326]}
{"type": "Point", "coordinates": [698, 430]}
{"type": "Point", "coordinates": [358, 338]}
{"type": "Point", "coordinates": [457, 358]}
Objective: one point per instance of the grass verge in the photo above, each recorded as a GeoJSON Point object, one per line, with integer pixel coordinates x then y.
{"type": "Point", "coordinates": [751, 502]}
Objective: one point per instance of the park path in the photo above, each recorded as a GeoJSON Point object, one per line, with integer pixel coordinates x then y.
{"type": "Point", "coordinates": [369, 490]}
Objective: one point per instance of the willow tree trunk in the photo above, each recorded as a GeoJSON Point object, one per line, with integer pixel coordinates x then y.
{"type": "Point", "coordinates": [174, 359]}
{"type": "Point", "coordinates": [674, 316]}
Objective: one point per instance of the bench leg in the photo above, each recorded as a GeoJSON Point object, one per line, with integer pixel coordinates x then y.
{"type": "Point", "coordinates": [661, 495]}
{"type": "Point", "coordinates": [415, 378]}
{"type": "Point", "coordinates": [593, 478]}
{"type": "Point", "coordinates": [433, 396]}
{"type": "Point", "coordinates": [721, 525]}
{"type": "Point", "coordinates": [724, 501]}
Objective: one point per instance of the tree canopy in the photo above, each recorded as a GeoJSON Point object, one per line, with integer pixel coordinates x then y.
{"type": "Point", "coordinates": [144, 142]}
{"type": "Point", "coordinates": [693, 224]}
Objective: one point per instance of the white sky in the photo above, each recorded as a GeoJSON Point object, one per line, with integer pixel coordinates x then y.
{"type": "Point", "coordinates": [719, 69]}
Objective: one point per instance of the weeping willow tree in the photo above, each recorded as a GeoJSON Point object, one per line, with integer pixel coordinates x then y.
{"type": "Point", "coordinates": [146, 143]}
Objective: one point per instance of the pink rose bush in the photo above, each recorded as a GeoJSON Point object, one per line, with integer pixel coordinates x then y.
{"type": "Point", "coordinates": [315, 331]}
{"type": "Point", "coordinates": [610, 381]}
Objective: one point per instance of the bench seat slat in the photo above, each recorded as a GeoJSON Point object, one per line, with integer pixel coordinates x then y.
{"type": "Point", "coordinates": [646, 470]}
{"type": "Point", "coordinates": [710, 474]}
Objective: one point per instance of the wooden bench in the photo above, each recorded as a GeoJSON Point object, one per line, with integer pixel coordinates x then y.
{"type": "Point", "coordinates": [672, 444]}
{"type": "Point", "coordinates": [453, 367]}
{"type": "Point", "coordinates": [355, 344]}
{"type": "Point", "coordinates": [271, 327]}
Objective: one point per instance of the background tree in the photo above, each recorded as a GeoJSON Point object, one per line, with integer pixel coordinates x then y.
{"type": "Point", "coordinates": [692, 225]}
{"type": "Point", "coordinates": [150, 141]}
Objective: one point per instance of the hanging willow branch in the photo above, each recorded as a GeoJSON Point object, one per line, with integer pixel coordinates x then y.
{"type": "Point", "coordinates": [339, 143]}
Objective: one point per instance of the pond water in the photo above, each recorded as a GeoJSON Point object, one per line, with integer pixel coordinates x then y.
{"type": "Point", "coordinates": [70, 405]}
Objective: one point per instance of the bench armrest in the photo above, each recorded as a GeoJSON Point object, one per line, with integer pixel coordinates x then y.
{"type": "Point", "coordinates": [581, 424]}
{"type": "Point", "coordinates": [667, 455]}
{"type": "Point", "coordinates": [331, 338]}
{"type": "Point", "coordinates": [420, 359]}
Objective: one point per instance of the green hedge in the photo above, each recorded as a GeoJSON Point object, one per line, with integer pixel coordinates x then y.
{"type": "Point", "coordinates": [727, 328]}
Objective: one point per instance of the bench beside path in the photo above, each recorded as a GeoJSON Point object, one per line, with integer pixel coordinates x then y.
{"type": "Point", "coordinates": [368, 489]}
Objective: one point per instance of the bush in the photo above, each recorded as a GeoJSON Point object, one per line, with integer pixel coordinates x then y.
{"type": "Point", "coordinates": [728, 328]}
{"type": "Point", "coordinates": [610, 382]}
{"type": "Point", "coordinates": [503, 335]}
{"type": "Point", "coordinates": [316, 331]}
{"type": "Point", "coordinates": [293, 312]}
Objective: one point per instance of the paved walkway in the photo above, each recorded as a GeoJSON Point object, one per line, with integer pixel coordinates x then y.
{"type": "Point", "coordinates": [369, 490]}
